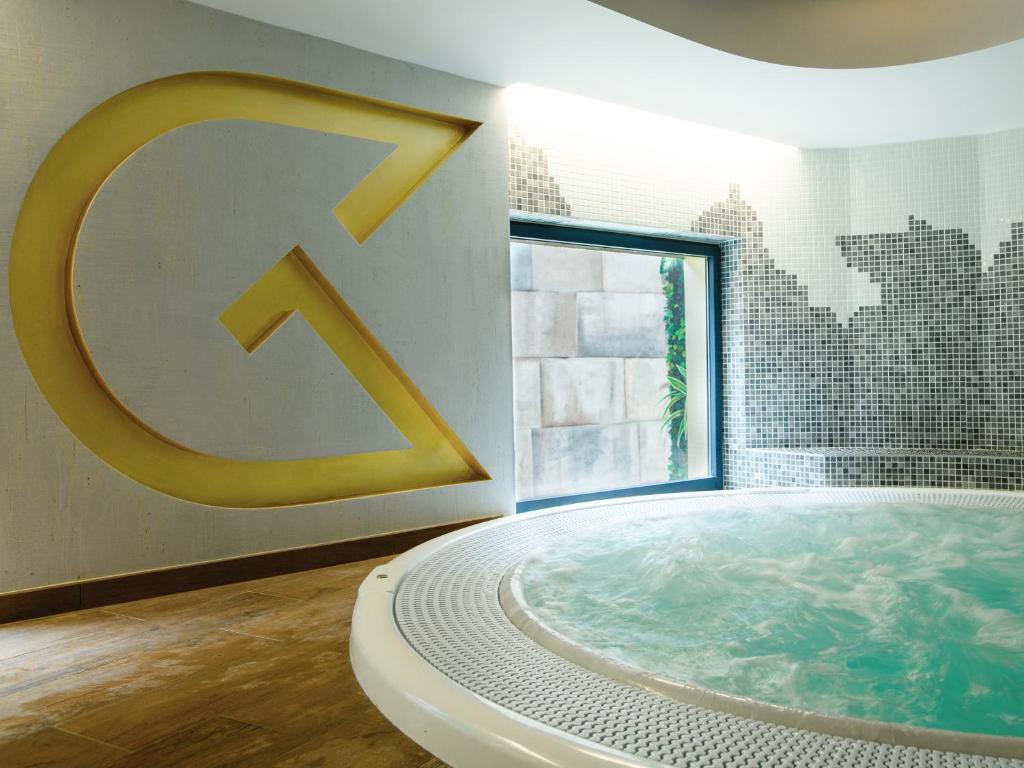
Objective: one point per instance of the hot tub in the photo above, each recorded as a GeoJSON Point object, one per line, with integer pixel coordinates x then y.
{"type": "Point", "coordinates": [600, 634]}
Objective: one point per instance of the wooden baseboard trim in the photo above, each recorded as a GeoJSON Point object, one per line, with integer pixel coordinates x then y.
{"type": "Point", "coordinates": [94, 593]}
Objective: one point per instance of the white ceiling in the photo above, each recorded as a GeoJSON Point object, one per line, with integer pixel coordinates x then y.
{"type": "Point", "coordinates": [583, 48]}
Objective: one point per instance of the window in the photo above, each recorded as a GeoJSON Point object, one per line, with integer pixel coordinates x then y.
{"type": "Point", "coordinates": [617, 369]}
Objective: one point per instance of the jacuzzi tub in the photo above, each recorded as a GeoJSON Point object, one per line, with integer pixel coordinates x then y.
{"type": "Point", "coordinates": [481, 684]}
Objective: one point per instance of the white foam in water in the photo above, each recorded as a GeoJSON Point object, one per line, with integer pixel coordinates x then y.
{"type": "Point", "coordinates": [910, 614]}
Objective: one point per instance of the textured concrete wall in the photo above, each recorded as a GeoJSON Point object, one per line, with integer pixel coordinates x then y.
{"type": "Point", "coordinates": [590, 372]}
{"type": "Point", "coordinates": [186, 226]}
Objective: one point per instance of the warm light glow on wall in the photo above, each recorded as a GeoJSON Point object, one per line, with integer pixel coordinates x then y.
{"type": "Point", "coordinates": [624, 166]}
{"type": "Point", "coordinates": [643, 144]}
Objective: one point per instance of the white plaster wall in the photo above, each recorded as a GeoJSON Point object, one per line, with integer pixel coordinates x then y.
{"type": "Point", "coordinates": [181, 231]}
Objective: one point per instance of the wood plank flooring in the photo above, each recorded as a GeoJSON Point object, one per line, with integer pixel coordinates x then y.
{"type": "Point", "coordinates": [253, 674]}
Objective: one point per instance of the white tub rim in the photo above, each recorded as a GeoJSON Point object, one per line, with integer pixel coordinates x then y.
{"type": "Point", "coordinates": [459, 725]}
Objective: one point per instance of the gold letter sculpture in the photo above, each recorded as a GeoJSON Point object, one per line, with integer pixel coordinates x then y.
{"type": "Point", "coordinates": [42, 299]}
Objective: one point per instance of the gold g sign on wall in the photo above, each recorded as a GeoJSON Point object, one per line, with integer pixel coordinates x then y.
{"type": "Point", "coordinates": [43, 302]}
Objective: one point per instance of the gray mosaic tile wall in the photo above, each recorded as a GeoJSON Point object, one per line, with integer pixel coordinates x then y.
{"type": "Point", "coordinates": [924, 388]}
{"type": "Point", "coordinates": [918, 379]}
{"type": "Point", "coordinates": [532, 188]}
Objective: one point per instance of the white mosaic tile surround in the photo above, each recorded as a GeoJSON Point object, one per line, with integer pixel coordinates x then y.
{"type": "Point", "coordinates": [621, 165]}
{"type": "Point", "coordinates": [818, 352]}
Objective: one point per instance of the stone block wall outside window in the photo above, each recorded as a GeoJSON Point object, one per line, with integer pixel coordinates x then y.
{"type": "Point", "coordinates": [589, 342]}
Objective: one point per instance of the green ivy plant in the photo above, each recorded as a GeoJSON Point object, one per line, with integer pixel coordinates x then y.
{"type": "Point", "coordinates": [674, 414]}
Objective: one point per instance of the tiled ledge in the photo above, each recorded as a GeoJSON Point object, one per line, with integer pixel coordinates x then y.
{"type": "Point", "coordinates": [867, 466]}
{"type": "Point", "coordinates": [851, 451]}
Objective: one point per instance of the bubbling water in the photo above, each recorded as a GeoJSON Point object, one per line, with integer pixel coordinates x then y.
{"type": "Point", "coordinates": [904, 613]}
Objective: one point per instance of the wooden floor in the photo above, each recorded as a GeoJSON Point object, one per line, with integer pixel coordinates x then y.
{"type": "Point", "coordinates": [253, 674]}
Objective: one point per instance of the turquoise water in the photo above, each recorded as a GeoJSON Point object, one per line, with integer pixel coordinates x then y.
{"type": "Point", "coordinates": [909, 614]}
